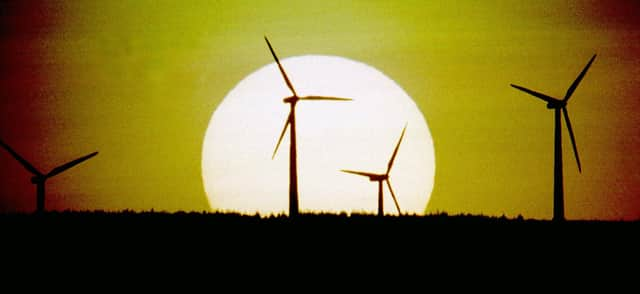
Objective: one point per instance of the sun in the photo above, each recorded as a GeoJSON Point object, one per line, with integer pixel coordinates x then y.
{"type": "Point", "coordinates": [240, 175]}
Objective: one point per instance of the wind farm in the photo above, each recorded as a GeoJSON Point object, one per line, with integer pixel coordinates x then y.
{"type": "Point", "coordinates": [189, 106]}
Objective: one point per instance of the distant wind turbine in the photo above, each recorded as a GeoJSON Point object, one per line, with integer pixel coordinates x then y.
{"type": "Point", "coordinates": [560, 106]}
{"type": "Point", "coordinates": [291, 120]}
{"type": "Point", "coordinates": [382, 178]}
{"type": "Point", "coordinates": [39, 178]}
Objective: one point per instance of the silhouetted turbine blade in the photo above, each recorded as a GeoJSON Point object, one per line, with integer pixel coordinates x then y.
{"type": "Point", "coordinates": [22, 161]}
{"type": "Point", "coordinates": [395, 151]}
{"type": "Point", "coordinates": [366, 174]}
{"type": "Point", "coordinates": [534, 93]}
{"type": "Point", "coordinates": [393, 195]}
{"type": "Point", "coordinates": [578, 79]}
{"type": "Point", "coordinates": [325, 98]}
{"type": "Point", "coordinates": [69, 165]}
{"type": "Point", "coordinates": [284, 75]}
{"type": "Point", "coordinates": [284, 130]}
{"type": "Point", "coordinates": [573, 139]}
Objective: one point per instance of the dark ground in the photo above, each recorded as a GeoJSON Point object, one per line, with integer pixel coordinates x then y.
{"type": "Point", "coordinates": [313, 235]}
{"type": "Point", "coordinates": [233, 243]}
{"type": "Point", "coordinates": [226, 227]}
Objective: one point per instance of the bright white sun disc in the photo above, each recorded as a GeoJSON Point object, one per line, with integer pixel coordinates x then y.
{"type": "Point", "coordinates": [239, 174]}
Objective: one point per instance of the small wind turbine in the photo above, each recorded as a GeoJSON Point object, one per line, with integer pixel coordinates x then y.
{"type": "Point", "coordinates": [382, 178]}
{"type": "Point", "coordinates": [39, 178]}
{"type": "Point", "coordinates": [291, 120]}
{"type": "Point", "coordinates": [560, 106]}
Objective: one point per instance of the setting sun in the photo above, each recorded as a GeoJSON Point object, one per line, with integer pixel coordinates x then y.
{"type": "Point", "coordinates": [186, 105]}
{"type": "Point", "coordinates": [240, 175]}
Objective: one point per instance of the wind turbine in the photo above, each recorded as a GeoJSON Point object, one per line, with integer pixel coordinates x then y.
{"type": "Point", "coordinates": [560, 106]}
{"type": "Point", "coordinates": [382, 178]}
{"type": "Point", "coordinates": [39, 178]}
{"type": "Point", "coordinates": [291, 120]}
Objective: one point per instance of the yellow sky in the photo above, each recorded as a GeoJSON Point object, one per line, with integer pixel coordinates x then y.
{"type": "Point", "coordinates": [139, 81]}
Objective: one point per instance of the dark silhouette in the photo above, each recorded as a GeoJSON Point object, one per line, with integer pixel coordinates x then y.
{"type": "Point", "coordinates": [560, 106]}
{"type": "Point", "coordinates": [39, 179]}
{"type": "Point", "coordinates": [291, 120]}
{"type": "Point", "coordinates": [382, 178]}
{"type": "Point", "coordinates": [327, 238]}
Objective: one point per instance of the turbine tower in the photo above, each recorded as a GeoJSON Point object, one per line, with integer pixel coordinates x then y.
{"type": "Point", "coordinates": [39, 179]}
{"type": "Point", "coordinates": [382, 178]}
{"type": "Point", "coordinates": [291, 120]}
{"type": "Point", "coordinates": [560, 106]}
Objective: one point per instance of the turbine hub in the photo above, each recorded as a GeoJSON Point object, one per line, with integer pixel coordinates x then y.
{"type": "Point", "coordinates": [291, 99]}
{"type": "Point", "coordinates": [37, 179]}
{"type": "Point", "coordinates": [377, 178]}
{"type": "Point", "coordinates": [556, 104]}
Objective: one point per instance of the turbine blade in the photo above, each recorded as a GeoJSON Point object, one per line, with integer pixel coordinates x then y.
{"type": "Point", "coordinates": [393, 195]}
{"type": "Point", "coordinates": [395, 151]}
{"type": "Point", "coordinates": [534, 93]}
{"type": "Point", "coordinates": [284, 130]}
{"type": "Point", "coordinates": [19, 158]}
{"type": "Point", "coordinates": [325, 98]}
{"type": "Point", "coordinates": [284, 74]}
{"type": "Point", "coordinates": [573, 139]}
{"type": "Point", "coordinates": [69, 165]}
{"type": "Point", "coordinates": [578, 79]}
{"type": "Point", "coordinates": [365, 174]}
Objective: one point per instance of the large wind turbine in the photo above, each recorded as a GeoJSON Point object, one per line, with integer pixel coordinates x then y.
{"type": "Point", "coordinates": [291, 120]}
{"type": "Point", "coordinates": [560, 106]}
{"type": "Point", "coordinates": [39, 178]}
{"type": "Point", "coordinates": [382, 178]}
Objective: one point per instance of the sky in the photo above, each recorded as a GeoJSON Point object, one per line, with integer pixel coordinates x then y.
{"type": "Point", "coordinates": [138, 81]}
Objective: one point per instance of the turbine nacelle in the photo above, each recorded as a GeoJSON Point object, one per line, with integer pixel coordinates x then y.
{"type": "Point", "coordinates": [38, 179]}
{"type": "Point", "coordinates": [556, 104]}
{"type": "Point", "coordinates": [378, 178]}
{"type": "Point", "coordinates": [291, 99]}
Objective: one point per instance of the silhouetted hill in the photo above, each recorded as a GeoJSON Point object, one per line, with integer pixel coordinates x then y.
{"type": "Point", "coordinates": [309, 225]}
{"type": "Point", "coordinates": [152, 235]}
